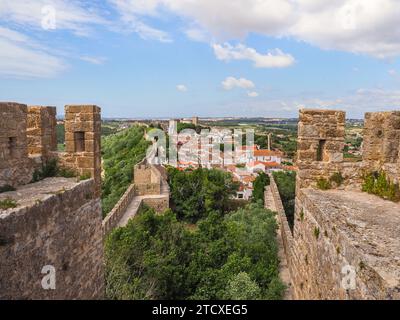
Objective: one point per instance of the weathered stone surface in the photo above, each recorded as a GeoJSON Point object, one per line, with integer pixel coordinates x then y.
{"type": "Point", "coordinates": [344, 227]}
{"type": "Point", "coordinates": [83, 156]}
{"type": "Point", "coordinates": [355, 229]}
{"type": "Point", "coordinates": [57, 222]}
{"type": "Point", "coordinates": [15, 167]}
{"type": "Point", "coordinates": [41, 130]}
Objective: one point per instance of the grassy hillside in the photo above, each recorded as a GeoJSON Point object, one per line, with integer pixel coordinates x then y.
{"type": "Point", "coordinates": [120, 153]}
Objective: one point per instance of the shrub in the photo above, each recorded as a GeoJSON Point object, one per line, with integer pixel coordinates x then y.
{"type": "Point", "coordinates": [316, 232]}
{"type": "Point", "coordinates": [337, 178]}
{"type": "Point", "coordinates": [323, 184]}
{"type": "Point", "coordinates": [49, 169]}
{"type": "Point", "coordinates": [66, 173]}
{"type": "Point", "coordinates": [378, 184]}
{"type": "Point", "coordinates": [8, 203]}
{"type": "Point", "coordinates": [6, 188]}
{"type": "Point", "coordinates": [85, 176]}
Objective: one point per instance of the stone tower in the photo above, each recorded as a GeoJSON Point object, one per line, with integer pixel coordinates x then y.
{"type": "Point", "coordinates": [321, 136]}
{"type": "Point", "coordinates": [41, 131]}
{"type": "Point", "coordinates": [82, 141]}
{"type": "Point", "coordinates": [15, 166]}
{"type": "Point", "coordinates": [382, 137]}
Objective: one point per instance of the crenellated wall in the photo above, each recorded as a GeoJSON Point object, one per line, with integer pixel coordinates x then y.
{"type": "Point", "coordinates": [83, 142]}
{"type": "Point", "coordinates": [55, 222]}
{"type": "Point", "coordinates": [147, 179]}
{"type": "Point", "coordinates": [15, 166]}
{"type": "Point", "coordinates": [381, 147]}
{"type": "Point", "coordinates": [41, 131]}
{"type": "Point", "coordinates": [345, 242]}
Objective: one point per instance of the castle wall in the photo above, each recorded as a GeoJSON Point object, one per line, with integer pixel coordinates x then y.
{"type": "Point", "coordinates": [337, 233]}
{"type": "Point", "coordinates": [320, 145]}
{"type": "Point", "coordinates": [147, 179]}
{"type": "Point", "coordinates": [344, 227]}
{"type": "Point", "coordinates": [83, 142]}
{"type": "Point", "coordinates": [159, 204]}
{"type": "Point", "coordinates": [381, 147]}
{"type": "Point", "coordinates": [57, 223]}
{"type": "Point", "coordinates": [41, 131]}
{"type": "Point", "coordinates": [15, 166]}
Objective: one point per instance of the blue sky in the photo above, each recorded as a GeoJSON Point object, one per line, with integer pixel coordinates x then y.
{"type": "Point", "coordinates": [176, 58]}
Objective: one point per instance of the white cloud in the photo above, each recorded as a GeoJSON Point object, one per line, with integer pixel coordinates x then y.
{"type": "Point", "coordinates": [69, 15]}
{"type": "Point", "coordinates": [94, 60]}
{"type": "Point", "coordinates": [252, 94]}
{"type": "Point", "coordinates": [392, 72]}
{"type": "Point", "coordinates": [358, 26]}
{"type": "Point", "coordinates": [22, 57]}
{"type": "Point", "coordinates": [181, 88]}
{"type": "Point", "coordinates": [273, 59]}
{"type": "Point", "coordinates": [130, 11]}
{"type": "Point", "coordinates": [231, 83]}
{"type": "Point", "coordinates": [197, 34]}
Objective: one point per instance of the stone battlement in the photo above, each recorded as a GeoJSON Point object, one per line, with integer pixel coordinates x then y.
{"type": "Point", "coordinates": [57, 222]}
{"type": "Point", "coordinates": [342, 234]}
{"type": "Point", "coordinates": [28, 140]}
{"type": "Point", "coordinates": [321, 137]}
{"type": "Point", "coordinates": [336, 229]}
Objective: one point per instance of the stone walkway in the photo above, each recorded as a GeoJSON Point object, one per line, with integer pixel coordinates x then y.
{"type": "Point", "coordinates": [136, 202]}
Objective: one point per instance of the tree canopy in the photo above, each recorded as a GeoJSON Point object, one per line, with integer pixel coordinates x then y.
{"type": "Point", "coordinates": [194, 193]}
{"type": "Point", "coordinates": [120, 153]}
{"type": "Point", "coordinates": [259, 185]}
{"type": "Point", "coordinates": [286, 183]}
{"type": "Point", "coordinates": [158, 257]}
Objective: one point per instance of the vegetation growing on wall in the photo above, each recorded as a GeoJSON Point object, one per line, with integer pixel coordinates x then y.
{"type": "Point", "coordinates": [231, 256]}
{"type": "Point", "coordinates": [6, 188]}
{"type": "Point", "coordinates": [324, 184]}
{"type": "Point", "coordinates": [377, 183]}
{"type": "Point", "coordinates": [286, 183]}
{"type": "Point", "coordinates": [120, 152]}
{"type": "Point", "coordinates": [8, 203]}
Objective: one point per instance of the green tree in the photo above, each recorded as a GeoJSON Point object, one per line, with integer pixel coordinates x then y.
{"type": "Point", "coordinates": [195, 193]}
{"type": "Point", "coordinates": [259, 185]}
{"type": "Point", "coordinates": [120, 153]}
{"type": "Point", "coordinates": [286, 183]}
{"type": "Point", "coordinates": [241, 287]}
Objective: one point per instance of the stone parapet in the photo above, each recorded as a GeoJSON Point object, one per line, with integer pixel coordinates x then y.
{"type": "Point", "coordinates": [116, 214]}
{"type": "Point", "coordinates": [57, 223]}
{"type": "Point", "coordinates": [41, 131]}
{"type": "Point", "coordinates": [338, 231]}
{"type": "Point", "coordinates": [15, 166]}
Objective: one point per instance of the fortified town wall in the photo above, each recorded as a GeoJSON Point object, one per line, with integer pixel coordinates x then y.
{"type": "Point", "coordinates": [51, 227]}
{"type": "Point", "coordinates": [345, 243]}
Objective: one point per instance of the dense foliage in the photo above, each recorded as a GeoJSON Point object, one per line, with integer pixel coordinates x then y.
{"type": "Point", "coordinates": [377, 183]}
{"type": "Point", "coordinates": [259, 185]}
{"type": "Point", "coordinates": [195, 193]}
{"type": "Point", "coordinates": [286, 183]}
{"type": "Point", "coordinates": [120, 153]}
{"type": "Point", "coordinates": [230, 256]}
